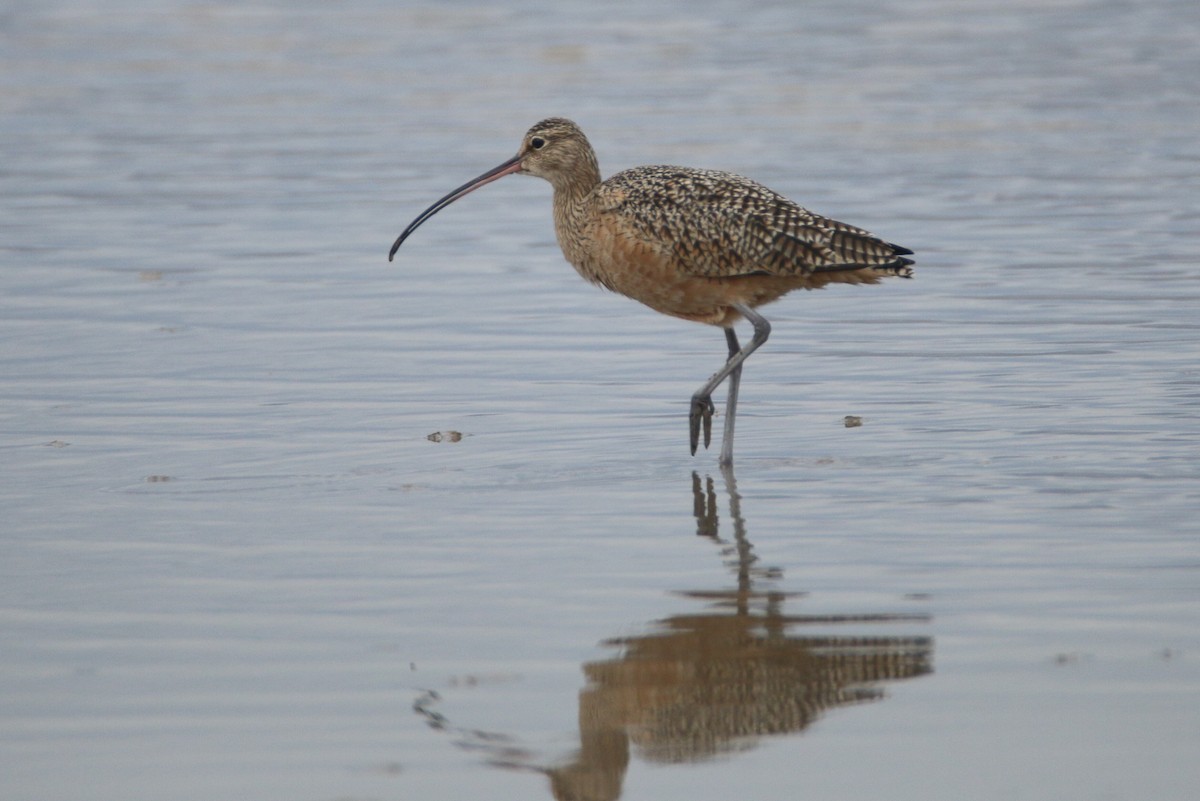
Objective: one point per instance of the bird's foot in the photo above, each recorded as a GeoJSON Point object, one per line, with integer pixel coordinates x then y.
{"type": "Point", "coordinates": [701, 413]}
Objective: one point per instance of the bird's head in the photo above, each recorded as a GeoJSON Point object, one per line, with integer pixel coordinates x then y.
{"type": "Point", "coordinates": [554, 149]}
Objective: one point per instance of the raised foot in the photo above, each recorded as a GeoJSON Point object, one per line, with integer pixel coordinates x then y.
{"type": "Point", "coordinates": [702, 412]}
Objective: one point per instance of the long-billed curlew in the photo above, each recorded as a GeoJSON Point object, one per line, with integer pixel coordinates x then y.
{"type": "Point", "coordinates": [702, 245]}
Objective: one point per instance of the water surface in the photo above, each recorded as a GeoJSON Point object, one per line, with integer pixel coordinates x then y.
{"type": "Point", "coordinates": [234, 564]}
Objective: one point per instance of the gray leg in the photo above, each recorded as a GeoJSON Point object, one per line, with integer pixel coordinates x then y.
{"type": "Point", "coordinates": [735, 381]}
{"type": "Point", "coordinates": [702, 405]}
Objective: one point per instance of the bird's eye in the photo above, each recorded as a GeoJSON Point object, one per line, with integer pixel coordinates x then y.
{"type": "Point", "coordinates": [537, 143]}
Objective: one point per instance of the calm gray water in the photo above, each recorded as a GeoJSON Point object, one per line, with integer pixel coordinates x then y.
{"type": "Point", "coordinates": [234, 565]}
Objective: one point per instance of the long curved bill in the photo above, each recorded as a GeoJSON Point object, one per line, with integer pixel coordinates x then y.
{"type": "Point", "coordinates": [507, 168]}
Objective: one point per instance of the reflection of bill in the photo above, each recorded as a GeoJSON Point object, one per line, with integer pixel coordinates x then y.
{"type": "Point", "coordinates": [717, 681]}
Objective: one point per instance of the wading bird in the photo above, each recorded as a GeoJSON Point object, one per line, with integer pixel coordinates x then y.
{"type": "Point", "coordinates": [701, 245]}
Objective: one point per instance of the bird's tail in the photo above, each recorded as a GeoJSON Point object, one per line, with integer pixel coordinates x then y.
{"type": "Point", "coordinates": [901, 268]}
{"type": "Point", "coordinates": [869, 257]}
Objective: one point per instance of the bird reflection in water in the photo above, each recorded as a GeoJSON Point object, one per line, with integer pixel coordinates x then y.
{"type": "Point", "coordinates": [716, 682]}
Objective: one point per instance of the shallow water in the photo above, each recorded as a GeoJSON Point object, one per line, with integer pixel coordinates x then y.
{"type": "Point", "coordinates": [234, 564]}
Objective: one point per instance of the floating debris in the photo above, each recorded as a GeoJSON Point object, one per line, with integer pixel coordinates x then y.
{"type": "Point", "coordinates": [1071, 658]}
{"type": "Point", "coordinates": [388, 769]}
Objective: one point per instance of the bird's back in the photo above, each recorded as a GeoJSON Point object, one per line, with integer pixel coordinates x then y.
{"type": "Point", "coordinates": [721, 225]}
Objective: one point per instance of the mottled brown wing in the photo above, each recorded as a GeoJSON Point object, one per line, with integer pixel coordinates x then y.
{"type": "Point", "coordinates": [718, 224]}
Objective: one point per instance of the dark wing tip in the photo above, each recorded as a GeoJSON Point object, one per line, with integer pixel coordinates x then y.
{"type": "Point", "coordinates": [901, 267]}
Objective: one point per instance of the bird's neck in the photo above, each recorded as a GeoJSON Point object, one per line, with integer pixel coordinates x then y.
{"type": "Point", "coordinates": [570, 205]}
{"type": "Point", "coordinates": [572, 192]}
{"type": "Point", "coordinates": [573, 188]}
{"type": "Point", "coordinates": [573, 185]}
